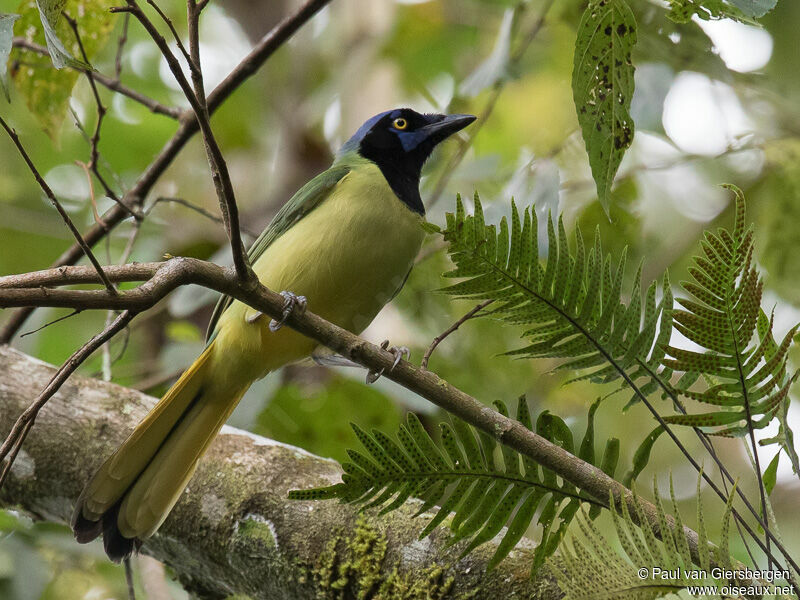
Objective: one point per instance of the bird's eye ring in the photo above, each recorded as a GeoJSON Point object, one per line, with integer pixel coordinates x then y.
{"type": "Point", "coordinates": [400, 123]}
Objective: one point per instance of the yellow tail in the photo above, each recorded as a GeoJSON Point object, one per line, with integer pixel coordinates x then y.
{"type": "Point", "coordinates": [135, 489]}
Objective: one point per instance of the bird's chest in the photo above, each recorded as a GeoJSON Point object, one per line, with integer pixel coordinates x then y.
{"type": "Point", "coordinates": [350, 255]}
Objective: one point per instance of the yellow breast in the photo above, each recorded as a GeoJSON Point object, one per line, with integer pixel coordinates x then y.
{"type": "Point", "coordinates": [348, 257]}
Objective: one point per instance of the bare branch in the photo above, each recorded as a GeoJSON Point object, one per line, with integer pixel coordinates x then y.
{"type": "Point", "coordinates": [94, 141]}
{"type": "Point", "coordinates": [75, 312]}
{"type": "Point", "coordinates": [441, 337]}
{"type": "Point", "coordinates": [171, 26]}
{"type": "Point", "coordinates": [54, 201]}
{"type": "Point", "coordinates": [123, 39]}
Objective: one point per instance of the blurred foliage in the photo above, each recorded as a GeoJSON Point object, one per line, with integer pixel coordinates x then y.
{"type": "Point", "coordinates": [319, 419]}
{"type": "Point", "coordinates": [282, 127]}
{"type": "Point", "coordinates": [45, 90]}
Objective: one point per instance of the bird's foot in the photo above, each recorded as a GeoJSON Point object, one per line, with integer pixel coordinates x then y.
{"type": "Point", "coordinates": [291, 302]}
{"type": "Point", "coordinates": [398, 351]}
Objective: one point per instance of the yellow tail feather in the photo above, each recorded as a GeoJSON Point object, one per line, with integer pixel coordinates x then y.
{"type": "Point", "coordinates": [134, 490]}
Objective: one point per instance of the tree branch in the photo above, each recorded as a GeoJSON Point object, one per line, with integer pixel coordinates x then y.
{"type": "Point", "coordinates": [234, 531]}
{"type": "Point", "coordinates": [181, 271]}
{"type": "Point", "coordinates": [442, 336]}
{"type": "Point", "coordinates": [189, 126]}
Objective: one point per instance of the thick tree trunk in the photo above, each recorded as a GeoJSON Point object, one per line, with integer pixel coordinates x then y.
{"type": "Point", "coordinates": [234, 531]}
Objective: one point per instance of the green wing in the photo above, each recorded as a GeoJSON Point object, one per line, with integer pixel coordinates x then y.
{"type": "Point", "coordinates": [303, 202]}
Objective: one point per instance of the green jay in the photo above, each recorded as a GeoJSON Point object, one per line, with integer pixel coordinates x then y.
{"type": "Point", "coordinates": [344, 245]}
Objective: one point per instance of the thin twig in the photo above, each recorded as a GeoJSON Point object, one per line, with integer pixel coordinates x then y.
{"type": "Point", "coordinates": [111, 83]}
{"type": "Point", "coordinates": [54, 201]}
{"type": "Point", "coordinates": [190, 205]}
{"type": "Point", "coordinates": [123, 39]}
{"type": "Point", "coordinates": [198, 209]}
{"type": "Point", "coordinates": [135, 213]}
{"type": "Point", "coordinates": [101, 109]}
{"type": "Point", "coordinates": [13, 442]}
{"type": "Point", "coordinates": [217, 164]}
{"type": "Point", "coordinates": [171, 27]}
{"type": "Point", "coordinates": [77, 311]}
{"type": "Point", "coordinates": [135, 196]}
{"type": "Point", "coordinates": [94, 141]}
{"type": "Point", "coordinates": [440, 338]}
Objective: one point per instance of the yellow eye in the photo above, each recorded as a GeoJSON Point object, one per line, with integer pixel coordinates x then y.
{"type": "Point", "coordinates": [400, 123]}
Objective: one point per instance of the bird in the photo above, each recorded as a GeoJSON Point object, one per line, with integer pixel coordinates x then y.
{"type": "Point", "coordinates": [342, 246]}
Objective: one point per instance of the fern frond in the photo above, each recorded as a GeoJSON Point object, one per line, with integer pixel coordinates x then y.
{"type": "Point", "coordinates": [570, 304]}
{"type": "Point", "coordinates": [746, 370]}
{"type": "Point", "coordinates": [591, 569]}
{"type": "Point", "coordinates": [482, 483]}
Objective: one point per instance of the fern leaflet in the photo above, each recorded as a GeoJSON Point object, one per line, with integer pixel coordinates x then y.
{"type": "Point", "coordinates": [746, 370]}
{"type": "Point", "coordinates": [485, 484]}
{"type": "Point", "coordinates": [591, 568]}
{"type": "Point", "coordinates": [571, 306]}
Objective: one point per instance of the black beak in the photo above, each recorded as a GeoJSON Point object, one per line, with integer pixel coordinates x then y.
{"type": "Point", "coordinates": [446, 126]}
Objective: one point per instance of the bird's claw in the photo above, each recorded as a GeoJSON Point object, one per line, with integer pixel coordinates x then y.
{"type": "Point", "coordinates": [291, 302]}
{"type": "Point", "coordinates": [398, 351]}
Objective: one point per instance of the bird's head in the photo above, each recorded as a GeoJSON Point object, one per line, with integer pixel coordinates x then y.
{"type": "Point", "coordinates": [399, 141]}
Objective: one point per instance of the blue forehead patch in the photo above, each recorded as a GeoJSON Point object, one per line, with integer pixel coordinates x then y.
{"type": "Point", "coordinates": [359, 135]}
{"type": "Point", "coordinates": [364, 129]}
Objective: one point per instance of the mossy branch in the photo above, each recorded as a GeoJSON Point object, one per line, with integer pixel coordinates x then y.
{"type": "Point", "coordinates": [234, 530]}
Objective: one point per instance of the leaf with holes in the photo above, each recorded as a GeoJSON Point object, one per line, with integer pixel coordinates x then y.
{"type": "Point", "coordinates": [602, 87]}
{"type": "Point", "coordinates": [682, 11]}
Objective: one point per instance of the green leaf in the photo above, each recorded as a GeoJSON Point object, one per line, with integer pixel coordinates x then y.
{"type": "Point", "coordinates": [642, 455]}
{"type": "Point", "coordinates": [46, 90]}
{"type": "Point", "coordinates": [50, 13]}
{"type": "Point", "coordinates": [6, 39]}
{"type": "Point", "coordinates": [744, 369]}
{"type": "Point", "coordinates": [771, 474]}
{"type": "Point", "coordinates": [682, 11]}
{"type": "Point", "coordinates": [572, 306]}
{"type": "Point", "coordinates": [754, 8]}
{"type": "Point", "coordinates": [602, 87]}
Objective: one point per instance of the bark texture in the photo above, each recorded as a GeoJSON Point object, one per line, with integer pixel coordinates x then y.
{"type": "Point", "coordinates": [234, 531]}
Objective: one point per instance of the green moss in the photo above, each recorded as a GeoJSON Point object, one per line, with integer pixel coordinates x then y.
{"type": "Point", "coordinates": [351, 566]}
{"type": "Point", "coordinates": [257, 531]}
